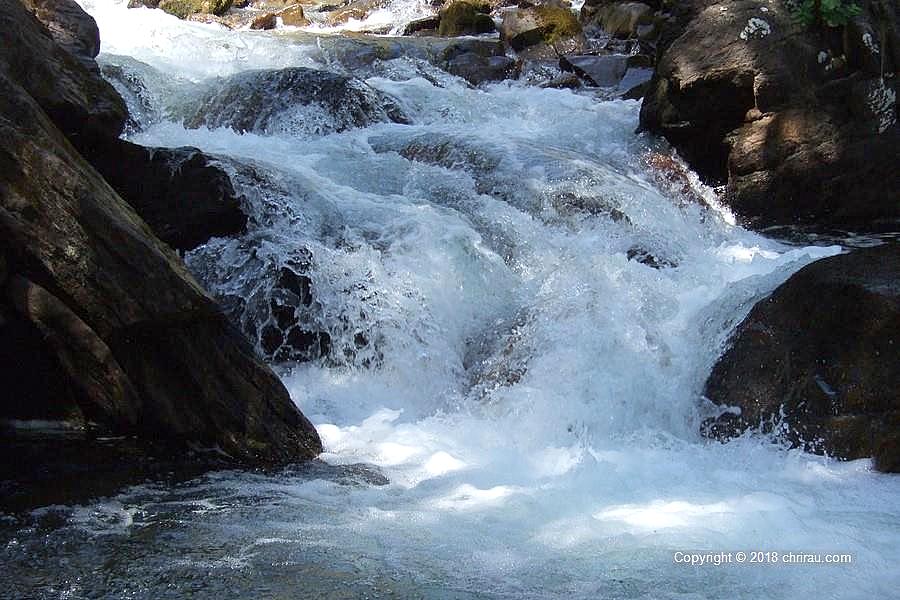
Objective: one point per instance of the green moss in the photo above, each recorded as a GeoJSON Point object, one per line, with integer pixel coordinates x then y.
{"type": "Point", "coordinates": [559, 23]}
{"type": "Point", "coordinates": [184, 8]}
{"type": "Point", "coordinates": [465, 18]}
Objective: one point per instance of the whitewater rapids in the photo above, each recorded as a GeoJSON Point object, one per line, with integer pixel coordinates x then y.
{"type": "Point", "coordinates": [531, 394]}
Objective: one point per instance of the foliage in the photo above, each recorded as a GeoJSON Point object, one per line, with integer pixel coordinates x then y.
{"type": "Point", "coordinates": [833, 13]}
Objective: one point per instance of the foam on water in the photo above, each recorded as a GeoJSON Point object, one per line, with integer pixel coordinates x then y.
{"type": "Point", "coordinates": [531, 394]}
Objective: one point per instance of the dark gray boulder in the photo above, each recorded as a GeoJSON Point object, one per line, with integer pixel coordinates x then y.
{"type": "Point", "coordinates": [817, 361]}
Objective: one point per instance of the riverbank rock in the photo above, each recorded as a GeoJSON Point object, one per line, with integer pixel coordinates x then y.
{"type": "Point", "coordinates": [100, 322]}
{"type": "Point", "coordinates": [817, 360]}
{"type": "Point", "coordinates": [756, 101]}
{"type": "Point", "coordinates": [181, 194]}
{"type": "Point", "coordinates": [293, 100]}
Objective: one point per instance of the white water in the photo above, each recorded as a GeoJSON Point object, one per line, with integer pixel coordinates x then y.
{"type": "Point", "coordinates": [535, 395]}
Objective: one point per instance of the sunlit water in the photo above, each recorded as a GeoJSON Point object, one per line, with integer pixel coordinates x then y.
{"type": "Point", "coordinates": [531, 395]}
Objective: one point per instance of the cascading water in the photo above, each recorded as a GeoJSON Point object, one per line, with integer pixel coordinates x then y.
{"type": "Point", "coordinates": [520, 317]}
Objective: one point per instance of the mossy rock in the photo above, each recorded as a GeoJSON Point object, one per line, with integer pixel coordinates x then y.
{"type": "Point", "coordinates": [558, 23]}
{"type": "Point", "coordinates": [465, 18]}
{"type": "Point", "coordinates": [184, 8]}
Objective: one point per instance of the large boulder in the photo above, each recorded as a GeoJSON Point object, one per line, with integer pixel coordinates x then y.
{"type": "Point", "coordinates": [817, 361]}
{"type": "Point", "coordinates": [293, 100]}
{"type": "Point", "coordinates": [181, 193]}
{"type": "Point", "coordinates": [623, 19]}
{"type": "Point", "coordinates": [800, 135]}
{"type": "Point", "coordinates": [101, 325]}
{"type": "Point", "coordinates": [141, 347]}
{"type": "Point", "coordinates": [73, 95]}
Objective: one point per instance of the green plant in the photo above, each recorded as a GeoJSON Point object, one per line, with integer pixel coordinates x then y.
{"type": "Point", "coordinates": [833, 13]}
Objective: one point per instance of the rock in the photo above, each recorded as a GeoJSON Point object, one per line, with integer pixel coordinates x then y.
{"type": "Point", "coordinates": [464, 18]}
{"type": "Point", "coordinates": [143, 350]}
{"type": "Point", "coordinates": [477, 69]}
{"type": "Point", "coordinates": [564, 81]}
{"type": "Point", "coordinates": [548, 24]}
{"type": "Point", "coordinates": [73, 95]}
{"type": "Point", "coordinates": [293, 16]}
{"type": "Point", "coordinates": [635, 81]}
{"type": "Point", "coordinates": [622, 19]}
{"type": "Point", "coordinates": [752, 100]}
{"type": "Point", "coordinates": [179, 192]}
{"type": "Point", "coordinates": [70, 27]}
{"type": "Point", "coordinates": [358, 9]}
{"type": "Point", "coordinates": [424, 26]}
{"type": "Point", "coordinates": [817, 360]}
{"type": "Point", "coordinates": [184, 8]}
{"type": "Point", "coordinates": [293, 100]}
{"type": "Point", "coordinates": [284, 336]}
{"type": "Point", "coordinates": [600, 71]}
{"type": "Point", "coordinates": [266, 21]}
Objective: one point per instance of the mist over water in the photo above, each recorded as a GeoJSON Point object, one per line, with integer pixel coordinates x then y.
{"type": "Point", "coordinates": [528, 396]}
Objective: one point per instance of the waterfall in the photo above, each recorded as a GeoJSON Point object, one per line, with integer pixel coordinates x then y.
{"type": "Point", "coordinates": [504, 313]}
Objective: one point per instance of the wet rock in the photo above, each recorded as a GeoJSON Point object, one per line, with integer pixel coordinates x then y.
{"type": "Point", "coordinates": [477, 69]}
{"type": "Point", "coordinates": [358, 9]}
{"type": "Point", "coordinates": [817, 363]}
{"type": "Point", "coordinates": [179, 192]}
{"type": "Point", "coordinates": [752, 100]}
{"type": "Point", "coordinates": [74, 95]}
{"type": "Point", "coordinates": [266, 21]}
{"type": "Point", "coordinates": [142, 349]}
{"type": "Point", "coordinates": [184, 8]}
{"type": "Point", "coordinates": [293, 100]}
{"type": "Point", "coordinates": [600, 71]}
{"type": "Point", "coordinates": [464, 18]}
{"type": "Point", "coordinates": [548, 24]}
{"type": "Point", "coordinates": [564, 81]}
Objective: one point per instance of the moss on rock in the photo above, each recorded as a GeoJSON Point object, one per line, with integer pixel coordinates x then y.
{"type": "Point", "coordinates": [558, 23]}
{"type": "Point", "coordinates": [184, 8]}
{"type": "Point", "coordinates": [465, 18]}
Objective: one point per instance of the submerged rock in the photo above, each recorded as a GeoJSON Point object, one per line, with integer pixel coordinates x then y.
{"type": "Point", "coordinates": [817, 360]}
{"type": "Point", "coordinates": [294, 100]}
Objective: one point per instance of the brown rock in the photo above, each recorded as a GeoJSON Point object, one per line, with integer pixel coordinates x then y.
{"type": "Point", "coordinates": [293, 16]}
{"type": "Point", "coordinates": [266, 21]}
